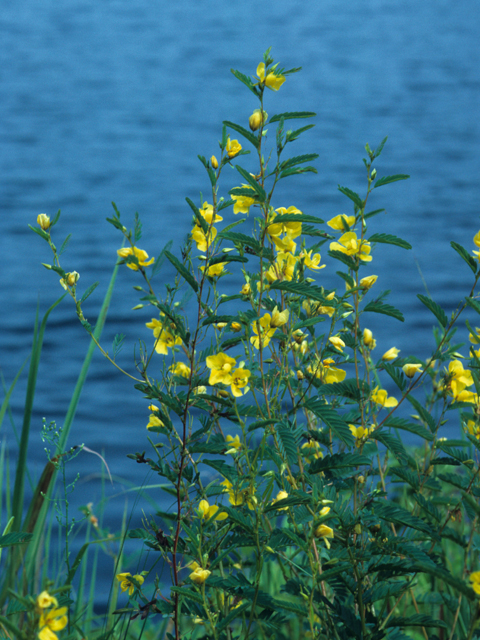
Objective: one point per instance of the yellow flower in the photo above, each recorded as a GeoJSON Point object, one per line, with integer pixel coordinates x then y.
{"type": "Point", "coordinates": [324, 511]}
{"type": "Point", "coordinates": [206, 511]}
{"type": "Point", "coordinates": [199, 575]}
{"type": "Point", "coordinates": [312, 449]}
{"type": "Point", "coordinates": [285, 244]}
{"type": "Point", "coordinates": [369, 340]}
{"type": "Point", "coordinates": [239, 381]}
{"type": "Point", "coordinates": [272, 81]}
{"type": "Point", "coordinates": [207, 213]}
{"type": "Point", "coordinates": [279, 318]}
{"type": "Point", "coordinates": [360, 434]}
{"type": "Point", "coordinates": [263, 330]}
{"type": "Point", "coordinates": [165, 341]}
{"type": "Point", "coordinates": [281, 495]}
{"type": "Point", "coordinates": [476, 240]}
{"type": "Point", "coordinates": [368, 282]}
{"type": "Point", "coordinates": [154, 421]}
{"type": "Point", "coordinates": [336, 222]}
{"type": "Point", "coordinates": [474, 429]}
{"type": "Point", "coordinates": [237, 498]}
{"type": "Point", "coordinates": [391, 354]}
{"type": "Point", "coordinates": [351, 245]}
{"type": "Point", "coordinates": [475, 338]}
{"type": "Point", "coordinates": [313, 308]}
{"type": "Point", "coordinates": [215, 270]}
{"type": "Point", "coordinates": [246, 289]}
{"type": "Point", "coordinates": [214, 162]}
{"type": "Point", "coordinates": [257, 119]}
{"type": "Point", "coordinates": [203, 241]}
{"type": "Point", "coordinates": [331, 374]}
{"type": "Point", "coordinates": [236, 327]}
{"type": "Point", "coordinates": [475, 577]}
{"type": "Point", "coordinates": [50, 621]}
{"type": "Point", "coordinates": [380, 396]}
{"type": "Point", "coordinates": [180, 369]}
{"type": "Point", "coordinates": [410, 370]}
{"type": "Point", "coordinates": [140, 254]}
{"type": "Point", "coordinates": [126, 584]}
{"type": "Point", "coordinates": [322, 531]}
{"type": "Point", "coordinates": [312, 263]}
{"type": "Point", "coordinates": [459, 378]}
{"type": "Point", "coordinates": [221, 367]}
{"type": "Point", "coordinates": [243, 203]}
{"type": "Point", "coordinates": [233, 148]}
{"type": "Point", "coordinates": [45, 600]}
{"type": "Point", "coordinates": [43, 221]}
{"type": "Point", "coordinates": [292, 229]}
{"type": "Point", "coordinates": [234, 442]}
{"type": "Point", "coordinates": [337, 342]}
{"type": "Point", "coordinates": [70, 279]}
{"type": "Point", "coordinates": [283, 269]}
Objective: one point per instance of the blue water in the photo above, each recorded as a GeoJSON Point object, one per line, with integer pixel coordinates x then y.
{"type": "Point", "coordinates": [111, 100]}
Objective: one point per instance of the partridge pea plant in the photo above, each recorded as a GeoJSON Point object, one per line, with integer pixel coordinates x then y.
{"type": "Point", "coordinates": [298, 511]}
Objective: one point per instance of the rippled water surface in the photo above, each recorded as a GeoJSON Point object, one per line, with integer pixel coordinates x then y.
{"type": "Point", "coordinates": [113, 100]}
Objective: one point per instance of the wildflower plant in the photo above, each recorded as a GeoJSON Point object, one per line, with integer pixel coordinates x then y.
{"type": "Point", "coordinates": [298, 510]}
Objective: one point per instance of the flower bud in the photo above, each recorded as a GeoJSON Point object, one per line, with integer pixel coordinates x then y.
{"type": "Point", "coordinates": [43, 221]}
{"type": "Point", "coordinates": [257, 119]}
{"type": "Point", "coordinates": [373, 175]}
{"type": "Point", "coordinates": [214, 162]}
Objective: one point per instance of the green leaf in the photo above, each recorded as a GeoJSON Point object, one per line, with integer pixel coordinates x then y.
{"type": "Point", "coordinates": [246, 81]}
{"type": "Point", "coordinates": [288, 439]}
{"type": "Point", "coordinates": [406, 475]}
{"type": "Point", "coordinates": [331, 419]}
{"type": "Point", "coordinates": [89, 291]}
{"type": "Point", "coordinates": [387, 179]}
{"type": "Point", "coordinates": [259, 190]}
{"type": "Point", "coordinates": [386, 309]}
{"type": "Point", "coordinates": [354, 197]}
{"type": "Point", "coordinates": [443, 574]}
{"type": "Point", "coordinates": [463, 253]}
{"type": "Point", "coordinates": [370, 214]}
{"type": "Point", "coordinates": [293, 135]}
{"type": "Point", "coordinates": [244, 240]}
{"type": "Point", "coordinates": [396, 374]}
{"type": "Point", "coordinates": [182, 270]}
{"type": "Point", "coordinates": [293, 115]}
{"type": "Point", "coordinates": [345, 258]}
{"type": "Point", "coordinates": [43, 234]}
{"type": "Point", "coordinates": [437, 311]}
{"type": "Point", "coordinates": [424, 414]}
{"type": "Point", "coordinates": [417, 620]}
{"type": "Point", "coordinates": [236, 516]}
{"type": "Point", "coordinates": [188, 593]}
{"type": "Point", "coordinates": [351, 388]}
{"type": "Point", "coordinates": [159, 261]}
{"type": "Point", "coordinates": [243, 132]}
{"type": "Point", "coordinates": [386, 238]}
{"type": "Point", "coordinates": [397, 515]}
{"type": "Point", "coordinates": [473, 303]}
{"type": "Point", "coordinates": [294, 171]}
{"type": "Point", "coordinates": [295, 217]}
{"type": "Point", "coordinates": [226, 257]}
{"type": "Point", "coordinates": [417, 429]}
{"type": "Point", "coordinates": [17, 537]}
{"type": "Point", "coordinates": [292, 500]}
{"type": "Point", "coordinates": [392, 443]}
{"type": "Point", "coordinates": [200, 219]}
{"type": "Point", "coordinates": [208, 447]}
{"type": "Point", "coordinates": [259, 424]}
{"type": "Point", "coordinates": [303, 290]}
{"type": "Point", "coordinates": [339, 461]}
{"type": "Point", "coordinates": [379, 150]}
{"type": "Point", "coordinates": [226, 470]}
{"type": "Point", "coordinates": [292, 162]}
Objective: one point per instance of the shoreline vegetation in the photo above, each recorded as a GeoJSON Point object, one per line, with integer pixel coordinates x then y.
{"type": "Point", "coordinates": [274, 423]}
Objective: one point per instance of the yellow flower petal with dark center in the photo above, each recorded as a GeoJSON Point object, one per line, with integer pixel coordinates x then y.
{"type": "Point", "coordinates": [352, 246]}
{"type": "Point", "coordinates": [272, 81]}
{"type": "Point", "coordinates": [233, 148]}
